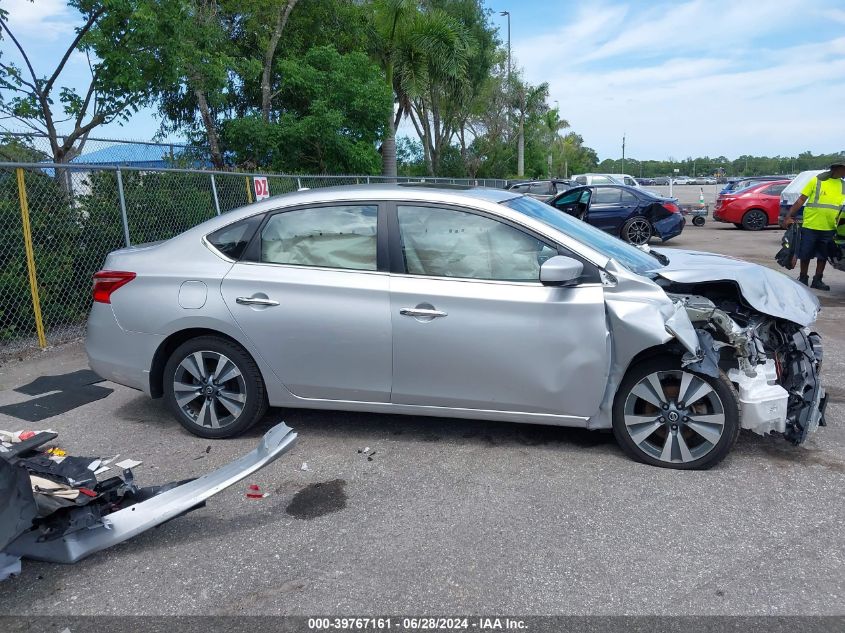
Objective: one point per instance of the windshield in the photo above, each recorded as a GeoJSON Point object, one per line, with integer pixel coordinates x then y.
{"type": "Point", "coordinates": [630, 257]}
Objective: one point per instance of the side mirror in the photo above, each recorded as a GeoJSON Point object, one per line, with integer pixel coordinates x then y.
{"type": "Point", "coordinates": [560, 271]}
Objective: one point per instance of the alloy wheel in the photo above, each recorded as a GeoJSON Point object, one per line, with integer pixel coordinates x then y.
{"type": "Point", "coordinates": [674, 416]}
{"type": "Point", "coordinates": [638, 231]}
{"type": "Point", "coordinates": [210, 389]}
{"type": "Point", "coordinates": [755, 220]}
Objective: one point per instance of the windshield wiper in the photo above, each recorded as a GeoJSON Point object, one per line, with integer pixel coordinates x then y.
{"type": "Point", "coordinates": [659, 256]}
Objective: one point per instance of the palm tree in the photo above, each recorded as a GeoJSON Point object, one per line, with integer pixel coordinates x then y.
{"type": "Point", "coordinates": [424, 56]}
{"type": "Point", "coordinates": [553, 125]}
{"type": "Point", "coordinates": [528, 100]}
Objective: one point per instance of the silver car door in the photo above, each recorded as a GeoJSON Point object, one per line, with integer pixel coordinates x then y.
{"type": "Point", "coordinates": [314, 302]}
{"type": "Point", "coordinates": [474, 328]}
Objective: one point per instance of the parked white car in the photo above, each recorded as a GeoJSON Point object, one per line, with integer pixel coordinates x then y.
{"type": "Point", "coordinates": [626, 179]}
{"type": "Point", "coordinates": [597, 179]}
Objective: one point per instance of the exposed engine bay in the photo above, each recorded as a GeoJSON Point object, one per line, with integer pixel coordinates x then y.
{"type": "Point", "coordinates": [773, 363]}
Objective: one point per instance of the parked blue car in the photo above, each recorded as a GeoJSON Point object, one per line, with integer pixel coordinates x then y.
{"type": "Point", "coordinates": [632, 214]}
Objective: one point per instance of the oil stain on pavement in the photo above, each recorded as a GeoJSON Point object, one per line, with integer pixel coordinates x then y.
{"type": "Point", "coordinates": [319, 499]}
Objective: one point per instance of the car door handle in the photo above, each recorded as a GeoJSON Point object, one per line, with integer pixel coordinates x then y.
{"type": "Point", "coordinates": [256, 301]}
{"type": "Point", "coordinates": [422, 312]}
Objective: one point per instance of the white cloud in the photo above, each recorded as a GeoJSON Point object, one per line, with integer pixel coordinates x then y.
{"type": "Point", "coordinates": [688, 79]}
{"type": "Point", "coordinates": [47, 19]}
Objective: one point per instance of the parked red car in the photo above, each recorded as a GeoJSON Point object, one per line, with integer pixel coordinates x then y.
{"type": "Point", "coordinates": [753, 208]}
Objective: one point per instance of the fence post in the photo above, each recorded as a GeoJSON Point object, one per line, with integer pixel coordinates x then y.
{"type": "Point", "coordinates": [123, 208]}
{"type": "Point", "coordinates": [248, 191]}
{"type": "Point", "coordinates": [298, 184]}
{"type": "Point", "coordinates": [214, 193]}
{"type": "Point", "coordinates": [30, 260]}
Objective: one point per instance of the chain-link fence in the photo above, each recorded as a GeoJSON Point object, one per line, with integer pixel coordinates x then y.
{"type": "Point", "coordinates": [34, 147]}
{"type": "Point", "coordinates": [58, 223]}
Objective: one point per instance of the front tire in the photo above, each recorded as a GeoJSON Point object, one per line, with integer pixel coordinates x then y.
{"type": "Point", "coordinates": [214, 388]}
{"type": "Point", "coordinates": [672, 417]}
{"type": "Point", "coordinates": [698, 221]}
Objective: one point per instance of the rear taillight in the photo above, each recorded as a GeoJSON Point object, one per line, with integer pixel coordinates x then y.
{"type": "Point", "coordinates": [671, 207]}
{"type": "Point", "coordinates": [107, 281]}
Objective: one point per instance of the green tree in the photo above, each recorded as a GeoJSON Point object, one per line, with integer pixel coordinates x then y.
{"type": "Point", "coordinates": [197, 64]}
{"type": "Point", "coordinates": [335, 107]}
{"type": "Point", "coordinates": [115, 40]}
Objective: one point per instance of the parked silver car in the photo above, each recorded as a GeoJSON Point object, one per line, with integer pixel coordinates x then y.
{"type": "Point", "coordinates": [480, 303]}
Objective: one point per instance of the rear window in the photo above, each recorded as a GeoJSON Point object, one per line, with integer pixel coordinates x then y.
{"type": "Point", "coordinates": [232, 240]}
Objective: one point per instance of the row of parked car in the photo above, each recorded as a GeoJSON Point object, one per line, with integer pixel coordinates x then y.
{"type": "Point", "coordinates": [621, 205]}
{"type": "Point", "coordinates": [678, 180]}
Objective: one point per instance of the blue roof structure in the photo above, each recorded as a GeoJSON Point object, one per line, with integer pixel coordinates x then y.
{"type": "Point", "coordinates": [136, 155]}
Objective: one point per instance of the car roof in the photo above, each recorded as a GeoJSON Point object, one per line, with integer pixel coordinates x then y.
{"type": "Point", "coordinates": [614, 185]}
{"type": "Point", "coordinates": [388, 191]}
{"type": "Point", "coordinates": [481, 198]}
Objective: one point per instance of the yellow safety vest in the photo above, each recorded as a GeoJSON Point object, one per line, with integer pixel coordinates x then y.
{"type": "Point", "coordinates": [825, 196]}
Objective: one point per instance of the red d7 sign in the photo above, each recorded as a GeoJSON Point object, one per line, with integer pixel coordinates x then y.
{"type": "Point", "coordinates": [262, 187]}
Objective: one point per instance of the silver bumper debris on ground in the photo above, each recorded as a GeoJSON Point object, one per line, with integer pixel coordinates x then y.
{"type": "Point", "coordinates": [83, 538]}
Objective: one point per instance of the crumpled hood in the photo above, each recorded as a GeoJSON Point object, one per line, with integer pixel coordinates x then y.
{"type": "Point", "coordinates": [765, 290]}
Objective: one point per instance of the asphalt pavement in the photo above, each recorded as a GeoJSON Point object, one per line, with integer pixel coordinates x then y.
{"type": "Point", "coordinates": [446, 516]}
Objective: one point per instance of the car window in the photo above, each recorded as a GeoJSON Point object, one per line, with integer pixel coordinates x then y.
{"type": "Point", "coordinates": [332, 237]}
{"type": "Point", "coordinates": [628, 256]}
{"type": "Point", "coordinates": [581, 180]}
{"type": "Point", "coordinates": [606, 195]}
{"type": "Point", "coordinates": [774, 190]}
{"type": "Point", "coordinates": [629, 198]}
{"type": "Point", "coordinates": [630, 181]}
{"type": "Point", "coordinates": [233, 239]}
{"type": "Point", "coordinates": [520, 188]}
{"type": "Point", "coordinates": [541, 188]}
{"type": "Point", "coordinates": [572, 197]}
{"type": "Point", "coordinates": [602, 180]}
{"type": "Point", "coordinates": [448, 243]}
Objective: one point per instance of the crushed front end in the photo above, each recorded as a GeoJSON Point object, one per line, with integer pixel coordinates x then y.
{"type": "Point", "coordinates": [773, 363]}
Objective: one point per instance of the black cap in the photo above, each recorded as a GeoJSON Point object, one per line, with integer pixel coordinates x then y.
{"type": "Point", "coordinates": [839, 163]}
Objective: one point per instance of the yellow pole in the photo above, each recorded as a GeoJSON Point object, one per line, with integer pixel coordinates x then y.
{"type": "Point", "coordinates": [30, 260]}
{"type": "Point", "coordinates": [248, 191]}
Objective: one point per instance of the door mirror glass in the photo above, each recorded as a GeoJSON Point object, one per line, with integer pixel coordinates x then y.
{"type": "Point", "coordinates": [560, 271]}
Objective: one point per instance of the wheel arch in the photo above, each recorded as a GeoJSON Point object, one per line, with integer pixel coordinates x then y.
{"type": "Point", "coordinates": [169, 345]}
{"type": "Point", "coordinates": [669, 348]}
{"type": "Point", "coordinates": [762, 210]}
{"type": "Point", "coordinates": [638, 214]}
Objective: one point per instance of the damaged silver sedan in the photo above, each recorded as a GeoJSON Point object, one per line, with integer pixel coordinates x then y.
{"type": "Point", "coordinates": [477, 303]}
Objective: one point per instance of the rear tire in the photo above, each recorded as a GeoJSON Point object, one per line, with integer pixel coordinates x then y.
{"type": "Point", "coordinates": [214, 388]}
{"type": "Point", "coordinates": [698, 221]}
{"type": "Point", "coordinates": [755, 220]}
{"type": "Point", "coordinates": [653, 424]}
{"type": "Point", "coordinates": [637, 231]}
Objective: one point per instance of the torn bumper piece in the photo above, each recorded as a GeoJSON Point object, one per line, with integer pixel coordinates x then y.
{"type": "Point", "coordinates": [130, 521]}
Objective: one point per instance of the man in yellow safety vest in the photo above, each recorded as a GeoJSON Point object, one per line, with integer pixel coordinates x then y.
{"type": "Point", "coordinates": [822, 198]}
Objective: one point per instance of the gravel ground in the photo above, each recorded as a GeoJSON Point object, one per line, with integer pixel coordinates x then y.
{"type": "Point", "coordinates": [452, 516]}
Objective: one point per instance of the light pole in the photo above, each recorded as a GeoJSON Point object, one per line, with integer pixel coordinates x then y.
{"type": "Point", "coordinates": [552, 143]}
{"type": "Point", "coordinates": [623, 152]}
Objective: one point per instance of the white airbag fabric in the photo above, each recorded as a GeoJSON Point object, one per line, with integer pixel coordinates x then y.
{"type": "Point", "coordinates": [447, 243]}
{"type": "Point", "coordinates": [335, 237]}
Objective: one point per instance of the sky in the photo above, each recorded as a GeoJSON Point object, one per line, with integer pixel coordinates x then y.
{"type": "Point", "coordinates": [678, 79]}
